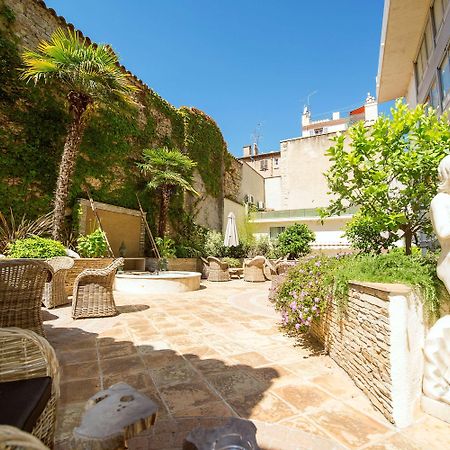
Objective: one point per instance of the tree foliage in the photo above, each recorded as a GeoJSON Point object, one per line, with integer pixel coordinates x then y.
{"type": "Point", "coordinates": [295, 240]}
{"type": "Point", "coordinates": [91, 75]}
{"type": "Point", "coordinates": [389, 170]}
{"type": "Point", "coordinates": [167, 170]}
{"type": "Point", "coordinates": [367, 235]}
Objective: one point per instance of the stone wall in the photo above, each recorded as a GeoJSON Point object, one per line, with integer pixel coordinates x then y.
{"type": "Point", "coordinates": [377, 339]}
{"type": "Point", "coordinates": [159, 123]}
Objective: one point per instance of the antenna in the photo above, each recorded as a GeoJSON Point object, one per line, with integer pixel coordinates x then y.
{"type": "Point", "coordinates": [310, 95]}
{"type": "Point", "coordinates": [257, 133]}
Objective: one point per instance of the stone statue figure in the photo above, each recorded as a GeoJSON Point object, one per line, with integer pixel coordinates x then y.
{"type": "Point", "coordinates": [436, 379]}
{"type": "Point", "coordinates": [440, 218]}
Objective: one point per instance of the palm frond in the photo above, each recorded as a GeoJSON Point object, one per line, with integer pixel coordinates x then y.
{"type": "Point", "coordinates": [88, 68]}
{"type": "Point", "coordinates": [166, 167]}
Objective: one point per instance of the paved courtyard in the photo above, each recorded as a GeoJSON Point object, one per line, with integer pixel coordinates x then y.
{"type": "Point", "coordinates": [214, 353]}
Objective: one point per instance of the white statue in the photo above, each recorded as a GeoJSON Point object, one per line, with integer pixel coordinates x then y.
{"type": "Point", "coordinates": [436, 379]}
{"type": "Point", "coordinates": [440, 218]}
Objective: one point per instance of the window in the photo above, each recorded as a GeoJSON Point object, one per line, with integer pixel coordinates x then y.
{"type": "Point", "coordinates": [263, 164]}
{"type": "Point", "coordinates": [429, 38]}
{"type": "Point", "coordinates": [275, 162]}
{"type": "Point", "coordinates": [318, 131]}
{"type": "Point", "coordinates": [434, 95]}
{"type": "Point", "coordinates": [444, 74]}
{"type": "Point", "coordinates": [275, 231]}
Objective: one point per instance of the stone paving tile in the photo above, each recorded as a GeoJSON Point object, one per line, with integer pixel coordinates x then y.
{"type": "Point", "coordinates": [79, 390]}
{"type": "Point", "coordinates": [200, 356]}
{"type": "Point", "coordinates": [184, 396]}
{"type": "Point", "coordinates": [348, 426]}
{"type": "Point", "coordinates": [266, 407]}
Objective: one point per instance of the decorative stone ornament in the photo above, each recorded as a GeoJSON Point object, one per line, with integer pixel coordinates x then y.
{"type": "Point", "coordinates": [236, 434]}
{"type": "Point", "coordinates": [436, 380]}
{"type": "Point", "coordinates": [112, 417]}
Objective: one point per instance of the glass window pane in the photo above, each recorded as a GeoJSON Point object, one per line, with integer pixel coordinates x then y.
{"type": "Point", "coordinates": [419, 69]}
{"type": "Point", "coordinates": [423, 53]}
{"type": "Point", "coordinates": [444, 72]}
{"type": "Point", "coordinates": [438, 14]}
{"type": "Point", "coordinates": [434, 95]}
{"type": "Point", "coordinates": [429, 38]}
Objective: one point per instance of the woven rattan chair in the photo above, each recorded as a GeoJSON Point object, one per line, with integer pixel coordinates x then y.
{"type": "Point", "coordinates": [218, 270]}
{"type": "Point", "coordinates": [254, 269]}
{"type": "Point", "coordinates": [205, 267]}
{"type": "Point", "coordinates": [93, 292]}
{"type": "Point", "coordinates": [55, 290]}
{"type": "Point", "coordinates": [12, 438]}
{"type": "Point", "coordinates": [22, 284]}
{"type": "Point", "coordinates": [26, 355]}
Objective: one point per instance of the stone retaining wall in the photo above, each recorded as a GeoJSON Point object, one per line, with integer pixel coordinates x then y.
{"type": "Point", "coordinates": [377, 339]}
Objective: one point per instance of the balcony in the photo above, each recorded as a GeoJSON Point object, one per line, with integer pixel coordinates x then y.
{"type": "Point", "coordinates": [289, 215]}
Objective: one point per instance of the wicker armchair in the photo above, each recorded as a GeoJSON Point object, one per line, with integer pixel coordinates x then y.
{"type": "Point", "coordinates": [93, 292]}
{"type": "Point", "coordinates": [22, 284]}
{"type": "Point", "coordinates": [55, 290]}
{"type": "Point", "coordinates": [26, 355]}
{"type": "Point", "coordinates": [13, 438]}
{"type": "Point", "coordinates": [205, 267]}
{"type": "Point", "coordinates": [218, 270]}
{"type": "Point", "coordinates": [254, 269]}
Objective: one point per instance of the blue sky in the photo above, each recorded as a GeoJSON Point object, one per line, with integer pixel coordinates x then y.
{"type": "Point", "coordinates": [243, 62]}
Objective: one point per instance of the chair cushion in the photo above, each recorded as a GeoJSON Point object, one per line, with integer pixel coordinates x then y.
{"type": "Point", "coordinates": [23, 401]}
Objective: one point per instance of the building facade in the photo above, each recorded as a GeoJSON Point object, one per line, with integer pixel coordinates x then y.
{"type": "Point", "coordinates": [297, 187]}
{"type": "Point", "coordinates": [414, 57]}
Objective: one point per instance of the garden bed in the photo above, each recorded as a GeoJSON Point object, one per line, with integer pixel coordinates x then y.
{"type": "Point", "coordinates": [377, 339]}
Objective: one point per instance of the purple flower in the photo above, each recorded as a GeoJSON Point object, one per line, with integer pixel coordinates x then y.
{"type": "Point", "coordinates": [317, 264]}
{"type": "Point", "coordinates": [297, 326]}
{"type": "Point", "coordinates": [314, 307]}
{"type": "Point", "coordinates": [293, 305]}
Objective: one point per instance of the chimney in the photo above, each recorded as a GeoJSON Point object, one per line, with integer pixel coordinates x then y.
{"type": "Point", "coordinates": [306, 118]}
{"type": "Point", "coordinates": [370, 109]}
{"type": "Point", "coordinates": [336, 115]}
{"type": "Point", "coordinates": [247, 150]}
{"type": "Point", "coordinates": [255, 149]}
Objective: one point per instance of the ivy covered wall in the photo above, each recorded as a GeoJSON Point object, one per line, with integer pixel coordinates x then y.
{"type": "Point", "coordinates": [34, 121]}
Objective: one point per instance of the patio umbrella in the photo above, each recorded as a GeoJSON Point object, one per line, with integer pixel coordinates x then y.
{"type": "Point", "coordinates": [231, 234]}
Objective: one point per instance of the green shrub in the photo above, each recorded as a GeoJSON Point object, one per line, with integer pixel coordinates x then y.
{"type": "Point", "coordinates": [263, 246]}
{"type": "Point", "coordinates": [214, 243]}
{"type": "Point", "coordinates": [295, 240]}
{"type": "Point", "coordinates": [232, 262]}
{"type": "Point", "coordinates": [306, 289]}
{"type": "Point", "coordinates": [364, 233]}
{"type": "Point", "coordinates": [304, 293]}
{"type": "Point", "coordinates": [35, 247]}
{"type": "Point", "coordinates": [92, 245]}
{"type": "Point", "coordinates": [166, 247]}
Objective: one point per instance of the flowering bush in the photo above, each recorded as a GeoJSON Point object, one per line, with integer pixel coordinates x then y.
{"type": "Point", "coordinates": [304, 292]}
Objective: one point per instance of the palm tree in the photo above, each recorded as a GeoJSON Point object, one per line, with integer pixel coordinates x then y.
{"type": "Point", "coordinates": [92, 75]}
{"type": "Point", "coordinates": [168, 169]}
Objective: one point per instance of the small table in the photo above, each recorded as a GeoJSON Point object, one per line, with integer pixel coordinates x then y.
{"type": "Point", "coordinates": [236, 272]}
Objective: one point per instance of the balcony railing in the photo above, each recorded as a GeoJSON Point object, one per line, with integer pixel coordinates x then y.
{"type": "Point", "coordinates": [293, 214]}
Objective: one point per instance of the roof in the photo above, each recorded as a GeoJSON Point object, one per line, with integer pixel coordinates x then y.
{"type": "Point", "coordinates": [403, 25]}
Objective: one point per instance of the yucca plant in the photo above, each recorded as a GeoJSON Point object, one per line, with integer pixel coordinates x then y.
{"type": "Point", "coordinates": [12, 229]}
{"type": "Point", "coordinates": [168, 170]}
{"type": "Point", "coordinates": [92, 75]}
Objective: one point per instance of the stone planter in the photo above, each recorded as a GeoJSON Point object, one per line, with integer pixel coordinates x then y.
{"type": "Point", "coordinates": [84, 263]}
{"type": "Point", "coordinates": [177, 264]}
{"type": "Point", "coordinates": [377, 338]}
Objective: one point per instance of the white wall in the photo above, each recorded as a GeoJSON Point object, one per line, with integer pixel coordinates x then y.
{"type": "Point", "coordinates": [303, 162]}
{"type": "Point", "coordinates": [252, 183]}
{"type": "Point", "coordinates": [273, 192]}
